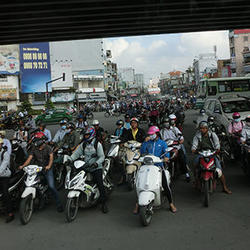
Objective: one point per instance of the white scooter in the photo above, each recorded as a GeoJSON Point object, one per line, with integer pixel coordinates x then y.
{"type": "Point", "coordinates": [149, 187]}
{"type": "Point", "coordinates": [131, 162]}
{"type": "Point", "coordinates": [34, 189]}
{"type": "Point", "coordinates": [82, 191]}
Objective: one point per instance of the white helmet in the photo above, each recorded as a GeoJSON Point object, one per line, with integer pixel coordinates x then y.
{"type": "Point", "coordinates": [95, 122]}
{"type": "Point", "coordinates": [172, 117]}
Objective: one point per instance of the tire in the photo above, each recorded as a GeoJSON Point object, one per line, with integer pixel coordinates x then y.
{"type": "Point", "coordinates": [106, 115]}
{"type": "Point", "coordinates": [145, 215]}
{"type": "Point", "coordinates": [71, 209]}
{"type": "Point", "coordinates": [117, 113]}
{"type": "Point", "coordinates": [206, 193]}
{"type": "Point", "coordinates": [131, 184]}
{"type": "Point", "coordinates": [59, 176]}
{"type": "Point", "coordinates": [26, 209]}
{"type": "Point", "coordinates": [109, 189]}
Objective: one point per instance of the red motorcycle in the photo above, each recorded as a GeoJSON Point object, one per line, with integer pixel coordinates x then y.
{"type": "Point", "coordinates": [207, 174]}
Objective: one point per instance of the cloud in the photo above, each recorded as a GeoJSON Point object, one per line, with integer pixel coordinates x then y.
{"type": "Point", "coordinates": [153, 55]}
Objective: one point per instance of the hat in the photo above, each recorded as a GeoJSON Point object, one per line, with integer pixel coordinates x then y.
{"type": "Point", "coordinates": [1, 141]}
{"type": "Point", "coordinates": [2, 132]}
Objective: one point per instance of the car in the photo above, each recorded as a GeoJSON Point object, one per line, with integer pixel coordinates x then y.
{"type": "Point", "coordinates": [53, 116]}
{"type": "Point", "coordinates": [223, 107]}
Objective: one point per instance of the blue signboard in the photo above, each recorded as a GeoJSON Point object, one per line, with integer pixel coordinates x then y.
{"type": "Point", "coordinates": [34, 67]}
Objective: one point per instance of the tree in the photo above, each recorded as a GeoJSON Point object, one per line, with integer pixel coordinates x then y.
{"type": "Point", "coordinates": [49, 104]}
{"type": "Point", "coordinates": [26, 105]}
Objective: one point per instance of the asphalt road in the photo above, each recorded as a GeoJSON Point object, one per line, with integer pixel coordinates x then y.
{"type": "Point", "coordinates": [224, 225]}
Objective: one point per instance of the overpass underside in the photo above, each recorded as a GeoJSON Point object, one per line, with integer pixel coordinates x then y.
{"type": "Point", "coordinates": [55, 20]}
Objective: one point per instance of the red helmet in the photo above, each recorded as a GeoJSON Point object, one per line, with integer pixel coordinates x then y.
{"type": "Point", "coordinates": [39, 135]}
{"type": "Point", "coordinates": [134, 119]}
{"type": "Point", "coordinates": [236, 115]}
{"type": "Point", "coordinates": [152, 130]}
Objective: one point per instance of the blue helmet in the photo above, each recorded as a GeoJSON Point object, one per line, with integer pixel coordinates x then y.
{"type": "Point", "coordinates": [90, 131]}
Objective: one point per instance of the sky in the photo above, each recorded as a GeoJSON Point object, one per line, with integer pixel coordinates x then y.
{"type": "Point", "coordinates": [155, 54]}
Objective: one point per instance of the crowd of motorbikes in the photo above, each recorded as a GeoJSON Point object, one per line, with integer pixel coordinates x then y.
{"type": "Point", "coordinates": [29, 190]}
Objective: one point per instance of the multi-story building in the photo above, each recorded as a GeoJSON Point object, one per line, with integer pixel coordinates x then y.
{"type": "Point", "coordinates": [223, 68]}
{"type": "Point", "coordinates": [204, 61]}
{"type": "Point", "coordinates": [128, 76]}
{"type": "Point", "coordinates": [139, 80]}
{"type": "Point", "coordinates": [239, 42]}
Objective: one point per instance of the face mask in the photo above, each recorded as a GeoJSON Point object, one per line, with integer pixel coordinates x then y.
{"type": "Point", "coordinates": [64, 127]}
{"type": "Point", "coordinates": [152, 137]}
{"type": "Point", "coordinates": [172, 122]}
{"type": "Point", "coordinates": [237, 120]}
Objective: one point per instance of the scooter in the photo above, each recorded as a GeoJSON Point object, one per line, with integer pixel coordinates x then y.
{"type": "Point", "coordinates": [131, 162]}
{"type": "Point", "coordinates": [149, 187]}
{"type": "Point", "coordinates": [35, 191]}
{"type": "Point", "coordinates": [207, 174]}
{"type": "Point", "coordinates": [82, 191]}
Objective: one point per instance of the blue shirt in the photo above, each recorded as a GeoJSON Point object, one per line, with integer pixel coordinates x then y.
{"type": "Point", "coordinates": [127, 125]}
{"type": "Point", "coordinates": [156, 147]}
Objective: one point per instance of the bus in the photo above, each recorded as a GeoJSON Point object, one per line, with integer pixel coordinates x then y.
{"type": "Point", "coordinates": [216, 87]}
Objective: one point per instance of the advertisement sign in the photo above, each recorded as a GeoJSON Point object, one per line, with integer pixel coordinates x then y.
{"type": "Point", "coordinates": [34, 67]}
{"type": "Point", "coordinates": [63, 97]}
{"type": "Point", "coordinates": [9, 59]}
{"type": "Point", "coordinates": [8, 94]}
{"type": "Point", "coordinates": [8, 87]}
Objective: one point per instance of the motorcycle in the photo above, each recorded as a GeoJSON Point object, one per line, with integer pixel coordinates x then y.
{"type": "Point", "coordinates": [246, 157]}
{"type": "Point", "coordinates": [109, 113]}
{"type": "Point", "coordinates": [173, 149]}
{"type": "Point", "coordinates": [34, 192]}
{"type": "Point", "coordinates": [82, 191]}
{"type": "Point", "coordinates": [113, 155]}
{"type": "Point", "coordinates": [149, 187]}
{"type": "Point", "coordinates": [131, 162]}
{"type": "Point", "coordinates": [207, 174]}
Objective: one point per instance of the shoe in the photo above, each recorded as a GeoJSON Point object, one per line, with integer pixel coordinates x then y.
{"type": "Point", "coordinates": [104, 208]}
{"type": "Point", "coordinates": [60, 209]}
{"type": "Point", "coordinates": [10, 218]}
{"type": "Point", "coordinates": [187, 177]}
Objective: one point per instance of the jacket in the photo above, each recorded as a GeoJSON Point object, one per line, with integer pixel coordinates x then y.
{"type": "Point", "coordinates": [156, 147]}
{"type": "Point", "coordinates": [245, 133]}
{"type": "Point", "coordinates": [88, 150]}
{"type": "Point", "coordinates": [212, 136]}
{"type": "Point", "coordinates": [4, 164]}
{"type": "Point", "coordinates": [70, 139]}
{"type": "Point", "coordinates": [128, 136]}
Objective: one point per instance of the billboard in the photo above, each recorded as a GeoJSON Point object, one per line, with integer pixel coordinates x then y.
{"type": "Point", "coordinates": [9, 59]}
{"type": "Point", "coordinates": [34, 67]}
{"type": "Point", "coordinates": [8, 87]}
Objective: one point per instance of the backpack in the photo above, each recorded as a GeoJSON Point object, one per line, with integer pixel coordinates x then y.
{"type": "Point", "coordinates": [242, 125]}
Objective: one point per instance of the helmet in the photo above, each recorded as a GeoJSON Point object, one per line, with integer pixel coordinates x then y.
{"type": "Point", "coordinates": [90, 131]}
{"type": "Point", "coordinates": [80, 116]}
{"type": "Point", "coordinates": [63, 122]}
{"type": "Point", "coordinates": [172, 117]}
{"type": "Point", "coordinates": [39, 135]}
{"type": "Point", "coordinates": [95, 122]}
{"type": "Point", "coordinates": [153, 129]}
{"type": "Point", "coordinates": [202, 111]}
{"type": "Point", "coordinates": [120, 122]}
{"type": "Point", "coordinates": [210, 119]}
{"type": "Point", "coordinates": [71, 125]}
{"type": "Point", "coordinates": [134, 119]}
{"type": "Point", "coordinates": [2, 132]}
{"type": "Point", "coordinates": [127, 116]}
{"type": "Point", "coordinates": [203, 124]}
{"type": "Point", "coordinates": [165, 119]}
{"type": "Point", "coordinates": [1, 141]}
{"type": "Point", "coordinates": [236, 115]}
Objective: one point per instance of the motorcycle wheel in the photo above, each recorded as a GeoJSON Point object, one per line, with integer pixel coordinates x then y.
{"type": "Point", "coordinates": [108, 185]}
{"type": "Point", "coordinates": [26, 209]}
{"type": "Point", "coordinates": [71, 209]}
{"type": "Point", "coordinates": [145, 214]}
{"type": "Point", "coordinates": [206, 193]}
{"type": "Point", "coordinates": [106, 115]}
{"type": "Point", "coordinates": [131, 183]}
{"type": "Point", "coordinates": [117, 113]}
{"type": "Point", "coordinates": [59, 176]}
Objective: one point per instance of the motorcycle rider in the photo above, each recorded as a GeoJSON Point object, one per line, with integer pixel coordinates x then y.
{"type": "Point", "coordinates": [5, 174]}
{"type": "Point", "coordinates": [89, 147]}
{"type": "Point", "coordinates": [157, 147]}
{"type": "Point", "coordinates": [201, 117]}
{"type": "Point", "coordinates": [120, 130]}
{"type": "Point", "coordinates": [134, 133]}
{"type": "Point", "coordinates": [22, 135]}
{"type": "Point", "coordinates": [61, 132]}
{"type": "Point", "coordinates": [6, 142]}
{"type": "Point", "coordinates": [42, 154]}
{"type": "Point", "coordinates": [212, 126]}
{"type": "Point", "coordinates": [234, 130]}
{"type": "Point", "coordinates": [127, 122]}
{"type": "Point", "coordinates": [173, 133]}
{"type": "Point", "coordinates": [70, 139]}
{"type": "Point", "coordinates": [99, 130]}
{"type": "Point", "coordinates": [245, 133]}
{"type": "Point", "coordinates": [205, 140]}
{"type": "Point", "coordinates": [46, 132]}
{"type": "Point", "coordinates": [82, 123]}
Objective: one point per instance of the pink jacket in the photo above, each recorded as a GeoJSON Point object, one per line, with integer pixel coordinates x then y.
{"type": "Point", "coordinates": [235, 127]}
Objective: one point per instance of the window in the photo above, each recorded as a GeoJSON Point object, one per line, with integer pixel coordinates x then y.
{"type": "Point", "coordinates": [245, 38]}
{"type": "Point", "coordinates": [212, 90]}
